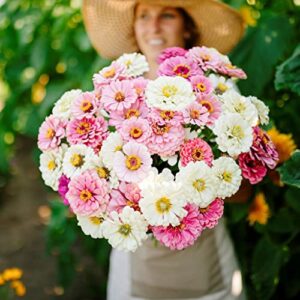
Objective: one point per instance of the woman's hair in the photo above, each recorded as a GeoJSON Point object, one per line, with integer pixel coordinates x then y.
{"type": "Point", "coordinates": [191, 28]}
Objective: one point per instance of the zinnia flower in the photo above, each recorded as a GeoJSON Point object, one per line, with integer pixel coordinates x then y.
{"type": "Point", "coordinates": [210, 215]}
{"type": "Point", "coordinates": [259, 210]}
{"type": "Point", "coordinates": [170, 52]}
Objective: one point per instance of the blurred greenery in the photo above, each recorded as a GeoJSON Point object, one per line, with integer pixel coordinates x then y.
{"type": "Point", "coordinates": [44, 51]}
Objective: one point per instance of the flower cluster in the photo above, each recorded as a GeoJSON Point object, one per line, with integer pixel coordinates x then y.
{"type": "Point", "coordinates": [136, 157]}
{"type": "Point", "coordinates": [10, 280]}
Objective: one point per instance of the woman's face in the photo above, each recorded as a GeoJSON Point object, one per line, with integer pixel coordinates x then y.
{"type": "Point", "coordinates": [158, 27]}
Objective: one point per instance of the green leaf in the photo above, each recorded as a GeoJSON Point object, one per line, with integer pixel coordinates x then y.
{"type": "Point", "coordinates": [39, 53]}
{"type": "Point", "coordinates": [282, 222]}
{"type": "Point", "coordinates": [292, 197]}
{"type": "Point", "coordinates": [290, 170]}
{"type": "Point", "coordinates": [236, 211]}
{"type": "Point", "coordinates": [288, 73]}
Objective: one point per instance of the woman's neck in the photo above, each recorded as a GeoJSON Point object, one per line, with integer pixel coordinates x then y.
{"type": "Point", "coordinates": [153, 66]}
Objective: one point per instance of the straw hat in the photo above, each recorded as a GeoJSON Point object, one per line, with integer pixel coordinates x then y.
{"type": "Point", "coordinates": [109, 24]}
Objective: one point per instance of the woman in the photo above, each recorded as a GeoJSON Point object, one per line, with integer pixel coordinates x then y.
{"type": "Point", "coordinates": [207, 269]}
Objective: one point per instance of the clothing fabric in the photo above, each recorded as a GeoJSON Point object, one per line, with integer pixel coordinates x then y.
{"type": "Point", "coordinates": [204, 271]}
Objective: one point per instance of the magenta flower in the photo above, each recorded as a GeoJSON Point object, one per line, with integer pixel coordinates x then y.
{"type": "Point", "coordinates": [252, 169]}
{"type": "Point", "coordinates": [196, 114]}
{"type": "Point", "coordinates": [88, 194]}
{"type": "Point", "coordinates": [201, 85]}
{"type": "Point", "coordinates": [89, 131]}
{"type": "Point", "coordinates": [51, 132]}
{"type": "Point", "coordinates": [183, 235]}
{"type": "Point", "coordinates": [209, 216]}
{"type": "Point", "coordinates": [196, 150]}
{"type": "Point", "coordinates": [63, 188]}
{"type": "Point", "coordinates": [135, 129]}
{"type": "Point", "coordinates": [179, 66]}
{"type": "Point", "coordinates": [119, 95]}
{"type": "Point", "coordinates": [170, 52]}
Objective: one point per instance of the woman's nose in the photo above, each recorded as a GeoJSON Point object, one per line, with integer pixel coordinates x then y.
{"type": "Point", "coordinates": [154, 25]}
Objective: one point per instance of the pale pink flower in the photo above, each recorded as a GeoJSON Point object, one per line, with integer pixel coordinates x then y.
{"type": "Point", "coordinates": [252, 169]}
{"type": "Point", "coordinates": [232, 71]}
{"type": "Point", "coordinates": [63, 188]}
{"type": "Point", "coordinates": [263, 148]}
{"type": "Point", "coordinates": [137, 109]}
{"type": "Point", "coordinates": [135, 129]}
{"type": "Point", "coordinates": [165, 138]}
{"type": "Point", "coordinates": [127, 194]}
{"type": "Point", "coordinates": [213, 106]}
{"type": "Point", "coordinates": [196, 114]}
{"type": "Point", "coordinates": [179, 66]}
{"type": "Point", "coordinates": [84, 105]}
{"type": "Point", "coordinates": [118, 95]}
{"type": "Point", "coordinates": [170, 52]}
{"type": "Point", "coordinates": [207, 58]}
{"type": "Point", "coordinates": [88, 194]}
{"type": "Point", "coordinates": [115, 71]}
{"type": "Point", "coordinates": [89, 131]}
{"type": "Point", "coordinates": [133, 164]}
{"type": "Point", "coordinates": [183, 235]}
{"type": "Point", "coordinates": [201, 84]}
{"type": "Point", "coordinates": [167, 116]}
{"type": "Point", "coordinates": [210, 215]}
{"type": "Point", "coordinates": [140, 84]}
{"type": "Point", "coordinates": [51, 132]}
{"type": "Point", "coordinates": [196, 150]}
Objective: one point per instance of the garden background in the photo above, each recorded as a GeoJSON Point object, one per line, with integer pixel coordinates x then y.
{"type": "Point", "coordinates": [44, 51]}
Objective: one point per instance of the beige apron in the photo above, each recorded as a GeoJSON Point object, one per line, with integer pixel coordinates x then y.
{"type": "Point", "coordinates": [160, 273]}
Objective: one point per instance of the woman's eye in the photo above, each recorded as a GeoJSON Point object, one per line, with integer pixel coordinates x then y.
{"type": "Point", "coordinates": [168, 16]}
{"type": "Point", "coordinates": [143, 16]}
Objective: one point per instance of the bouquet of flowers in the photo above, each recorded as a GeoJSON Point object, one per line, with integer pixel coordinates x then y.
{"type": "Point", "coordinates": [136, 158]}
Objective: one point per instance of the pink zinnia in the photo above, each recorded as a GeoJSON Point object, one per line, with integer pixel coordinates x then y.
{"type": "Point", "coordinates": [127, 194]}
{"type": "Point", "coordinates": [63, 188]}
{"type": "Point", "coordinates": [165, 138]}
{"type": "Point", "coordinates": [140, 84]}
{"type": "Point", "coordinates": [89, 131]}
{"type": "Point", "coordinates": [170, 52]}
{"type": "Point", "coordinates": [196, 150]}
{"type": "Point", "coordinates": [167, 116]}
{"type": "Point", "coordinates": [137, 109]}
{"type": "Point", "coordinates": [135, 129]}
{"type": "Point", "coordinates": [263, 149]}
{"type": "Point", "coordinates": [201, 85]}
{"type": "Point", "coordinates": [115, 71]}
{"type": "Point", "coordinates": [84, 105]}
{"type": "Point", "coordinates": [88, 194]}
{"type": "Point", "coordinates": [232, 71]}
{"type": "Point", "coordinates": [119, 95]}
{"type": "Point", "coordinates": [209, 216]}
{"type": "Point", "coordinates": [196, 114]}
{"type": "Point", "coordinates": [179, 66]}
{"type": "Point", "coordinates": [183, 235]}
{"type": "Point", "coordinates": [51, 132]}
{"type": "Point", "coordinates": [252, 169]}
{"type": "Point", "coordinates": [213, 106]}
{"type": "Point", "coordinates": [134, 163]}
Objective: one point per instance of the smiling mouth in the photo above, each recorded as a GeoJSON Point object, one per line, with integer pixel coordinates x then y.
{"type": "Point", "coordinates": [155, 42]}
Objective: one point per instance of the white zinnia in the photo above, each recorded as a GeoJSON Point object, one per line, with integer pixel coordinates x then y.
{"type": "Point", "coordinates": [78, 158]}
{"type": "Point", "coordinates": [91, 225]}
{"type": "Point", "coordinates": [234, 134]}
{"type": "Point", "coordinates": [198, 182]}
{"type": "Point", "coordinates": [262, 109]}
{"type": "Point", "coordinates": [135, 63]}
{"type": "Point", "coordinates": [221, 84]}
{"type": "Point", "coordinates": [62, 108]}
{"type": "Point", "coordinates": [169, 93]}
{"type": "Point", "coordinates": [229, 176]}
{"type": "Point", "coordinates": [233, 102]}
{"type": "Point", "coordinates": [162, 201]}
{"type": "Point", "coordinates": [125, 231]}
{"type": "Point", "coordinates": [51, 166]}
{"type": "Point", "coordinates": [110, 146]}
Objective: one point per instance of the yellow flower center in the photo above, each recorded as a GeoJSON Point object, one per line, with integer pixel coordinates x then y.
{"type": "Point", "coordinates": [206, 57]}
{"type": "Point", "coordinates": [102, 172]}
{"type": "Point", "coordinates": [128, 63]}
{"type": "Point", "coordinates": [167, 114]}
{"type": "Point", "coordinates": [83, 128]}
{"type": "Point", "coordinates": [85, 195]}
{"type": "Point", "coordinates": [51, 165]}
{"type": "Point", "coordinates": [203, 210]}
{"type": "Point", "coordinates": [194, 114]}
{"type": "Point", "coordinates": [133, 162]}
{"type": "Point", "coordinates": [237, 132]}
{"type": "Point", "coordinates": [50, 133]}
{"type": "Point", "coordinates": [226, 176]}
{"type": "Point", "coordinates": [96, 220]}
{"type": "Point", "coordinates": [77, 160]}
{"type": "Point", "coordinates": [201, 86]}
{"type": "Point", "coordinates": [240, 107]}
{"type": "Point", "coordinates": [125, 229]}
{"type": "Point", "coordinates": [207, 105]}
{"type": "Point", "coordinates": [221, 87]}
{"type": "Point", "coordinates": [109, 73]}
{"type": "Point", "coordinates": [169, 91]}
{"type": "Point", "coordinates": [199, 185]}
{"type": "Point", "coordinates": [119, 97]}
{"type": "Point", "coordinates": [163, 205]}
{"type": "Point", "coordinates": [132, 113]}
{"type": "Point", "coordinates": [86, 106]}
{"type": "Point", "coordinates": [118, 148]}
{"type": "Point", "coordinates": [197, 154]}
{"type": "Point", "coordinates": [160, 129]}
{"type": "Point", "coordinates": [135, 132]}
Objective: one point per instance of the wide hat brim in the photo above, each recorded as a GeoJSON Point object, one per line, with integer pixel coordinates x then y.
{"type": "Point", "coordinates": [109, 24]}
